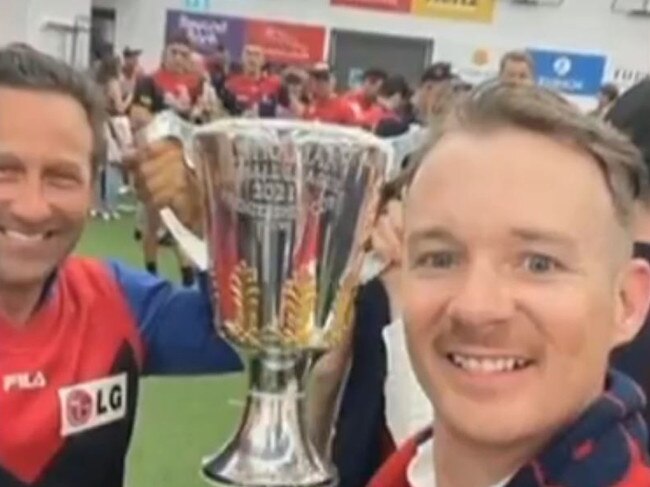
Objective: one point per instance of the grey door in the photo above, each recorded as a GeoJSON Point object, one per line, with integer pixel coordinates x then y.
{"type": "Point", "coordinates": [352, 52]}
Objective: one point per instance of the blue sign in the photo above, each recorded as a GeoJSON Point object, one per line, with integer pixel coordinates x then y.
{"type": "Point", "coordinates": [568, 72]}
{"type": "Point", "coordinates": [197, 5]}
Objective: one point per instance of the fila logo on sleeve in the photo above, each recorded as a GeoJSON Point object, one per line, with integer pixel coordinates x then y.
{"type": "Point", "coordinates": [92, 404]}
{"type": "Point", "coordinates": [24, 381]}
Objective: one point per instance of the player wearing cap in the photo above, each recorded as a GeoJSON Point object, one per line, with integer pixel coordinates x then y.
{"type": "Point", "coordinates": [435, 94]}
{"type": "Point", "coordinates": [75, 333]}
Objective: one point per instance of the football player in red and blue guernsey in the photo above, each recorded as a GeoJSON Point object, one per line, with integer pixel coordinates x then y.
{"type": "Point", "coordinates": [75, 334]}
{"type": "Point", "coordinates": [518, 281]}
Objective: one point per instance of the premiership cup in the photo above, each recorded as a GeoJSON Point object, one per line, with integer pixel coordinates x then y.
{"type": "Point", "coordinates": [288, 206]}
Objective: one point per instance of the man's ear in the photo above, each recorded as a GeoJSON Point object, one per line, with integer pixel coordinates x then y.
{"type": "Point", "coordinates": [633, 302]}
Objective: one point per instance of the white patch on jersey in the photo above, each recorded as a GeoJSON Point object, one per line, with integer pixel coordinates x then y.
{"type": "Point", "coordinates": [24, 381]}
{"type": "Point", "coordinates": [92, 404]}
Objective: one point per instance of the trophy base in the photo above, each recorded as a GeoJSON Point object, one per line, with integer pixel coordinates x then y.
{"type": "Point", "coordinates": [230, 472]}
{"type": "Point", "coordinates": [271, 447]}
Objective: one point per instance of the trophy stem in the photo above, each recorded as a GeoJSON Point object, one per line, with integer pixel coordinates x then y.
{"type": "Point", "coordinates": [271, 447]}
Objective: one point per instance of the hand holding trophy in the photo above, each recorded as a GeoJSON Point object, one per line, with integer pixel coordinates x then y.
{"type": "Point", "coordinates": [287, 207]}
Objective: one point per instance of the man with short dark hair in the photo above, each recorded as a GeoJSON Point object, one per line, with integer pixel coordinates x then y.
{"type": "Point", "coordinates": [364, 98]}
{"type": "Point", "coordinates": [517, 68]}
{"type": "Point", "coordinates": [393, 115]}
{"type": "Point", "coordinates": [517, 283]}
{"type": "Point", "coordinates": [325, 105]}
{"type": "Point", "coordinates": [76, 333]}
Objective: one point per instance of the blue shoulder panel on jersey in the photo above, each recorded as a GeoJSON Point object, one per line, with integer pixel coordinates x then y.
{"type": "Point", "coordinates": [175, 324]}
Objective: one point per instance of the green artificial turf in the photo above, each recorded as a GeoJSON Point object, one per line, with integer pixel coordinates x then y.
{"type": "Point", "coordinates": [180, 420]}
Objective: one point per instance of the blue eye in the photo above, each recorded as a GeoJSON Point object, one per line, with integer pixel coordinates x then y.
{"type": "Point", "coordinates": [540, 264]}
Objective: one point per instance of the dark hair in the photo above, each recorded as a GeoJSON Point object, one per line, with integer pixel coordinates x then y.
{"type": "Point", "coordinates": [395, 85]}
{"type": "Point", "coordinates": [610, 90]}
{"type": "Point", "coordinates": [439, 71]}
{"type": "Point", "coordinates": [517, 57]}
{"type": "Point", "coordinates": [292, 79]}
{"type": "Point", "coordinates": [374, 74]}
{"type": "Point", "coordinates": [28, 69]}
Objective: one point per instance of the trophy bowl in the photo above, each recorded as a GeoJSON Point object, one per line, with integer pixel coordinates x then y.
{"type": "Point", "coordinates": [288, 206]}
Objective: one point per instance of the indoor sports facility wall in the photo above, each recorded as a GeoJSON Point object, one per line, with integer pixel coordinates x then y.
{"type": "Point", "coordinates": [583, 25]}
{"type": "Point", "coordinates": [578, 26]}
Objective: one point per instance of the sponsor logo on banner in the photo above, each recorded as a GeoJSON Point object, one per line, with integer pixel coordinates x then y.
{"type": "Point", "coordinates": [92, 404]}
{"type": "Point", "coordinates": [287, 43]}
{"type": "Point", "coordinates": [390, 5]}
{"type": "Point", "coordinates": [208, 31]}
{"type": "Point", "coordinates": [570, 73]}
{"type": "Point", "coordinates": [471, 10]}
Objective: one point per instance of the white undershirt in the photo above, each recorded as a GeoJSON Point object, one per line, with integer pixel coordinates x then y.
{"type": "Point", "coordinates": [420, 472]}
{"type": "Point", "coordinates": [408, 410]}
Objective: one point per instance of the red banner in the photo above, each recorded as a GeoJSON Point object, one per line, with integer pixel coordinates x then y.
{"type": "Point", "coordinates": [287, 43]}
{"type": "Point", "coordinates": [391, 5]}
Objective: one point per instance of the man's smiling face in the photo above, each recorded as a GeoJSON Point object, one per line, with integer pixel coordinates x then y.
{"type": "Point", "coordinates": [46, 145]}
{"type": "Point", "coordinates": [516, 278]}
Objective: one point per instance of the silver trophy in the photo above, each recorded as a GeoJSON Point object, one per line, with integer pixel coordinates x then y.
{"type": "Point", "coordinates": [288, 206]}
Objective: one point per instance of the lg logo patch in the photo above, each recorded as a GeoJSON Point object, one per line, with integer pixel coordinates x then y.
{"type": "Point", "coordinates": [92, 404]}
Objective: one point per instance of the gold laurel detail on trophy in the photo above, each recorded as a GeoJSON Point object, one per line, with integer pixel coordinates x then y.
{"type": "Point", "coordinates": [246, 297]}
{"type": "Point", "coordinates": [298, 302]}
{"type": "Point", "coordinates": [343, 316]}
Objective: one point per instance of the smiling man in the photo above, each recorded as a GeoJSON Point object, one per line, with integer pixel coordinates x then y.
{"type": "Point", "coordinates": [518, 282]}
{"type": "Point", "coordinates": [75, 333]}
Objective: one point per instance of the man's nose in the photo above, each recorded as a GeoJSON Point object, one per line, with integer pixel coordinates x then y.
{"type": "Point", "coordinates": [483, 298]}
{"type": "Point", "coordinates": [31, 204]}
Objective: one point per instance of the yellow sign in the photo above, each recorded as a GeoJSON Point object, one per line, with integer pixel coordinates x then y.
{"type": "Point", "coordinates": [472, 10]}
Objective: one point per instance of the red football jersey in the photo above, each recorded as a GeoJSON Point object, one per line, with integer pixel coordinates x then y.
{"type": "Point", "coordinates": [367, 111]}
{"type": "Point", "coordinates": [174, 83]}
{"type": "Point", "coordinates": [70, 376]}
{"type": "Point", "coordinates": [249, 90]}
{"type": "Point", "coordinates": [335, 109]}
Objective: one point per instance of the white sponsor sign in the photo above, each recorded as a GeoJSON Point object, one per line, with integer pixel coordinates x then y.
{"type": "Point", "coordinates": [92, 404]}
